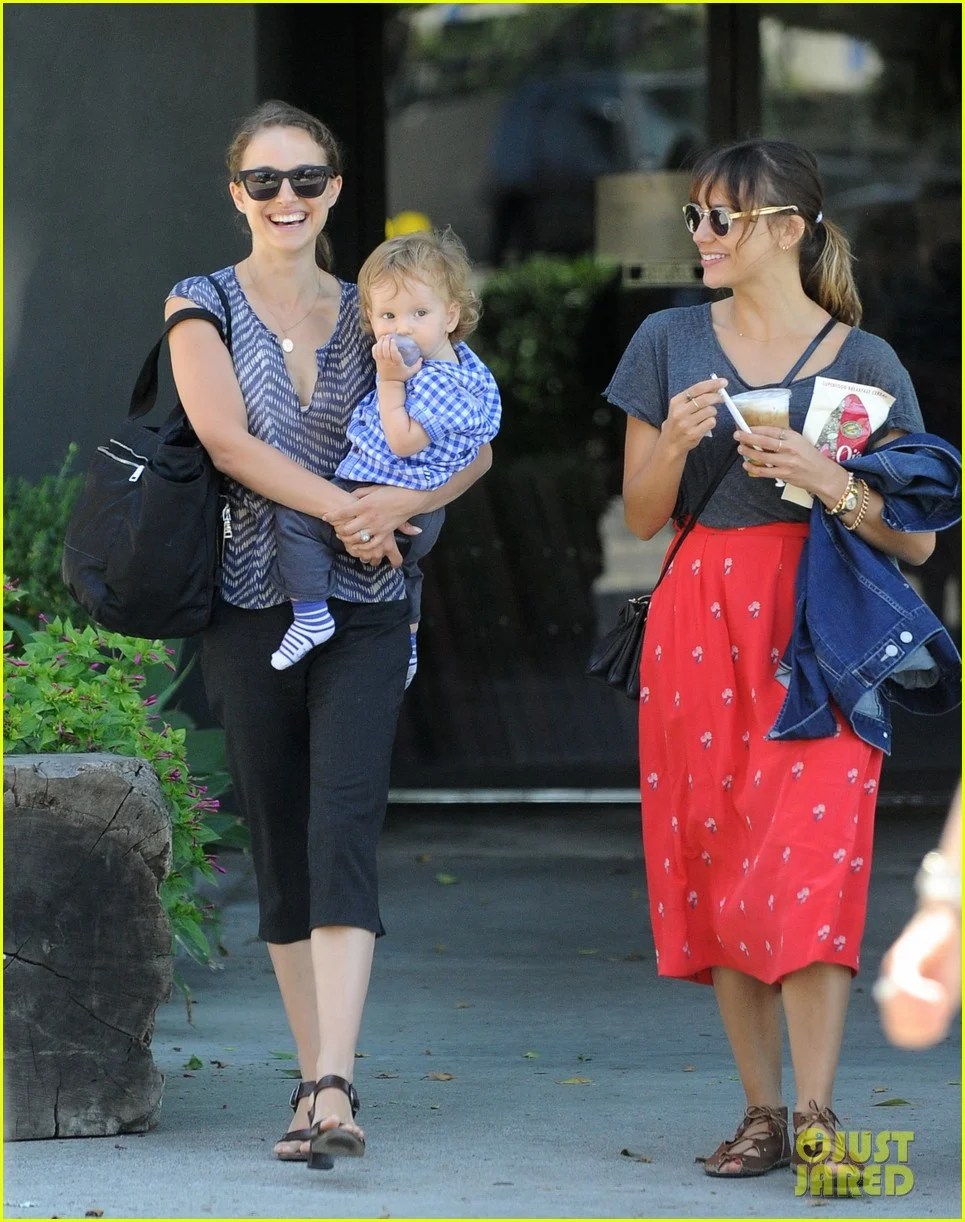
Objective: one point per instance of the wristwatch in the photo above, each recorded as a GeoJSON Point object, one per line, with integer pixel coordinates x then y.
{"type": "Point", "coordinates": [937, 881]}
{"type": "Point", "coordinates": [848, 501]}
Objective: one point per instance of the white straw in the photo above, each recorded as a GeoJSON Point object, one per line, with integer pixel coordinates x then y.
{"type": "Point", "coordinates": [733, 409]}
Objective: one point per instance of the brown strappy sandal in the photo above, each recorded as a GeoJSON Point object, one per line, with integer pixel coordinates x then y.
{"type": "Point", "coordinates": [337, 1141]}
{"type": "Point", "coordinates": [818, 1145]}
{"type": "Point", "coordinates": [756, 1154]}
{"type": "Point", "coordinates": [299, 1092]}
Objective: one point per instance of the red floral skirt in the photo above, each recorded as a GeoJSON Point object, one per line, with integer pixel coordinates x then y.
{"type": "Point", "coordinates": [757, 852]}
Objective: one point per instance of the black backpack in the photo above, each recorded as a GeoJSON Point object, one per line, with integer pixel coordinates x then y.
{"type": "Point", "coordinates": [143, 547]}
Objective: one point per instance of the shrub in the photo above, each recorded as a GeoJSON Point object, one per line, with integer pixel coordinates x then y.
{"type": "Point", "coordinates": [69, 688]}
{"type": "Point", "coordinates": [549, 333]}
{"type": "Point", "coordinates": [35, 519]}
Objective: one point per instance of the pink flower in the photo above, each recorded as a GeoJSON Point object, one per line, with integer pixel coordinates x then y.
{"type": "Point", "coordinates": [652, 780]}
{"type": "Point", "coordinates": [803, 894]}
{"type": "Point", "coordinates": [727, 695]}
{"type": "Point", "coordinates": [706, 738]}
{"type": "Point", "coordinates": [870, 786]}
{"type": "Point", "coordinates": [644, 694]}
{"type": "Point", "coordinates": [755, 609]}
{"type": "Point", "coordinates": [727, 782]}
{"type": "Point", "coordinates": [728, 565]}
{"type": "Point", "coordinates": [697, 653]}
{"type": "Point", "coordinates": [818, 811]}
{"type": "Point", "coordinates": [695, 567]}
{"type": "Point", "coordinates": [710, 825]}
{"type": "Point", "coordinates": [797, 769]}
{"type": "Point", "coordinates": [856, 864]}
{"type": "Point", "coordinates": [852, 775]}
{"type": "Point", "coordinates": [823, 933]}
{"type": "Point", "coordinates": [715, 610]}
{"type": "Point", "coordinates": [692, 898]}
{"type": "Point", "coordinates": [839, 942]}
{"type": "Point", "coordinates": [839, 855]}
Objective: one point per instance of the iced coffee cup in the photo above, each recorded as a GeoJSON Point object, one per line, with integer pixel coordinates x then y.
{"type": "Point", "coordinates": [771, 407]}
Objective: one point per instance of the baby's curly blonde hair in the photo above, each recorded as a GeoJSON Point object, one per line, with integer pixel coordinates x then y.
{"type": "Point", "coordinates": [437, 258]}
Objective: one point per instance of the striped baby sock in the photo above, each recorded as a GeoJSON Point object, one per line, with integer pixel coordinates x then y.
{"type": "Point", "coordinates": [313, 626]}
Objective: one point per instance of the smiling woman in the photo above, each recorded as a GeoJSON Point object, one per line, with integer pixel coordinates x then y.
{"type": "Point", "coordinates": [308, 750]}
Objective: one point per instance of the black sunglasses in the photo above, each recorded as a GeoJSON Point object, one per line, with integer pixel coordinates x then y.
{"type": "Point", "coordinates": [307, 181]}
{"type": "Point", "coordinates": [720, 218]}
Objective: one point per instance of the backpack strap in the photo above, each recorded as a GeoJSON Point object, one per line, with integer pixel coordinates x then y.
{"type": "Point", "coordinates": [809, 350]}
{"type": "Point", "coordinates": [144, 394]}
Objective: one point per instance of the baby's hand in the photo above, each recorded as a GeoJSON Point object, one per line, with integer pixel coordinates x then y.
{"type": "Point", "coordinates": [397, 357]}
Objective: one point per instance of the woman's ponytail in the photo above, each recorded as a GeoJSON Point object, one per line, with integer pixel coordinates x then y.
{"type": "Point", "coordinates": [828, 274]}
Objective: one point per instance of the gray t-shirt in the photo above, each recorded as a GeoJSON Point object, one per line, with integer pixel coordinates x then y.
{"type": "Point", "coordinates": [673, 349]}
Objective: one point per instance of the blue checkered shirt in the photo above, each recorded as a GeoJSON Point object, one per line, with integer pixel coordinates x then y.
{"type": "Point", "coordinates": [457, 405]}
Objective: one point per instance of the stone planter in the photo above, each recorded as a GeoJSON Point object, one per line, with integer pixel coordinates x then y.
{"type": "Point", "coordinates": [87, 944]}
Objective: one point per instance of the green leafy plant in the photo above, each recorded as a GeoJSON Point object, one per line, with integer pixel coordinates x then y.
{"type": "Point", "coordinates": [549, 334]}
{"type": "Point", "coordinates": [35, 516]}
{"type": "Point", "coordinates": [69, 688]}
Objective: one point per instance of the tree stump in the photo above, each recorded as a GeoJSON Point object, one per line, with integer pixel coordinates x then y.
{"type": "Point", "coordinates": [87, 944]}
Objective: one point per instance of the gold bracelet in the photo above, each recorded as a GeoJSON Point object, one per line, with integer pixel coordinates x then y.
{"type": "Point", "coordinates": [862, 509]}
{"type": "Point", "coordinates": [838, 507]}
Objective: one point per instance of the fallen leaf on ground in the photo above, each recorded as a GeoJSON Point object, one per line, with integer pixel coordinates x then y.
{"type": "Point", "coordinates": [531, 1056]}
{"type": "Point", "coordinates": [359, 1055]}
{"type": "Point", "coordinates": [283, 1056]}
{"type": "Point", "coordinates": [385, 1075]}
{"type": "Point", "coordinates": [194, 1063]}
{"type": "Point", "coordinates": [439, 1077]}
{"type": "Point", "coordinates": [637, 1158]}
{"type": "Point", "coordinates": [585, 951]}
{"type": "Point", "coordinates": [879, 1090]}
{"type": "Point", "coordinates": [463, 1005]}
{"type": "Point", "coordinates": [220, 1064]}
{"type": "Point", "coordinates": [446, 880]}
{"type": "Point", "coordinates": [93, 1213]}
{"type": "Point", "coordinates": [576, 1082]}
{"type": "Point", "coordinates": [689, 1068]}
{"type": "Point", "coordinates": [896, 1102]}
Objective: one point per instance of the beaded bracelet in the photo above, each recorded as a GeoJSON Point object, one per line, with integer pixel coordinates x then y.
{"type": "Point", "coordinates": [862, 508]}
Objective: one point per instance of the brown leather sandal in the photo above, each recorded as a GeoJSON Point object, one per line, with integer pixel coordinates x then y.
{"type": "Point", "coordinates": [821, 1146]}
{"type": "Point", "coordinates": [338, 1140]}
{"type": "Point", "coordinates": [299, 1092]}
{"type": "Point", "coordinates": [755, 1154]}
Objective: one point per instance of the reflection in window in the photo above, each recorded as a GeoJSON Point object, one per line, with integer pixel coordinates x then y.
{"type": "Point", "coordinates": [531, 103]}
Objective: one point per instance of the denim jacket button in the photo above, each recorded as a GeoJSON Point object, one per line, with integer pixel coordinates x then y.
{"type": "Point", "coordinates": [891, 651]}
{"type": "Point", "coordinates": [906, 637]}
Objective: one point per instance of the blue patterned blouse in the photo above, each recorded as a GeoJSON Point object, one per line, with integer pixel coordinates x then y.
{"type": "Point", "coordinates": [313, 436]}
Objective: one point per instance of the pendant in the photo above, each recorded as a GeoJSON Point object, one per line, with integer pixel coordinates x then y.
{"type": "Point", "coordinates": [287, 345]}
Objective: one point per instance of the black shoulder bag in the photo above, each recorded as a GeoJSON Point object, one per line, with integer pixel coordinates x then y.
{"type": "Point", "coordinates": [143, 546]}
{"type": "Point", "coordinates": [615, 658]}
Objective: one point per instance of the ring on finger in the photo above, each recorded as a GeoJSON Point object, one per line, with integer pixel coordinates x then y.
{"type": "Point", "coordinates": [365, 536]}
{"type": "Point", "coordinates": [783, 434]}
{"type": "Point", "coordinates": [688, 396]}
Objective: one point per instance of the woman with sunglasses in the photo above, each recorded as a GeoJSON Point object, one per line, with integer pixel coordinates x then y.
{"type": "Point", "coordinates": [308, 748]}
{"type": "Point", "coordinates": [757, 850]}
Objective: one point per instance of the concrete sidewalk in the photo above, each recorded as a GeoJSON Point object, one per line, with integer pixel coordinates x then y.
{"type": "Point", "coordinates": [518, 959]}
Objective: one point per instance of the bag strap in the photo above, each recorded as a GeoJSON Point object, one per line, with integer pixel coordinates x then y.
{"type": "Point", "coordinates": [144, 394]}
{"type": "Point", "coordinates": [692, 520]}
{"type": "Point", "coordinates": [799, 364]}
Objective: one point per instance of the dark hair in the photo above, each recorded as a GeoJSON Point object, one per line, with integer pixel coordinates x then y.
{"type": "Point", "coordinates": [758, 173]}
{"type": "Point", "coordinates": [280, 114]}
{"type": "Point", "coordinates": [438, 259]}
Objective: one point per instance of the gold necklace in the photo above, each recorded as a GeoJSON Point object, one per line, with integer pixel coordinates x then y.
{"type": "Point", "coordinates": [287, 345]}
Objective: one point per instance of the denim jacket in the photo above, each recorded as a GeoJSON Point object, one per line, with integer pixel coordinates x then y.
{"type": "Point", "coordinates": [862, 637]}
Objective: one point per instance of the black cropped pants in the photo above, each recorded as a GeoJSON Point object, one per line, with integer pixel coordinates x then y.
{"type": "Point", "coordinates": [309, 750]}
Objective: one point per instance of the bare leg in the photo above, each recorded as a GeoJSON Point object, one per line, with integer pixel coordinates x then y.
{"type": "Point", "coordinates": [342, 959]}
{"type": "Point", "coordinates": [751, 1014]}
{"type": "Point", "coordinates": [296, 981]}
{"type": "Point", "coordinates": [815, 1005]}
